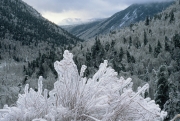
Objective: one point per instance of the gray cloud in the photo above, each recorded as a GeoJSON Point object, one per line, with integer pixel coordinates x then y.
{"type": "Point", "coordinates": [60, 5]}
{"type": "Point", "coordinates": [94, 8]}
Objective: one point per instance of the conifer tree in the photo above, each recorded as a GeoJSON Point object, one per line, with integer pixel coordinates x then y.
{"type": "Point", "coordinates": [150, 48]}
{"type": "Point", "coordinates": [147, 21]}
{"type": "Point", "coordinates": [121, 53]}
{"type": "Point", "coordinates": [159, 46]}
{"type": "Point", "coordinates": [162, 91]}
{"type": "Point", "coordinates": [81, 47]}
{"type": "Point", "coordinates": [145, 38]}
{"type": "Point", "coordinates": [133, 59]}
{"type": "Point", "coordinates": [130, 41]}
{"type": "Point", "coordinates": [112, 43]}
{"type": "Point", "coordinates": [96, 48]}
{"type": "Point", "coordinates": [172, 106]}
{"type": "Point", "coordinates": [107, 46]}
{"type": "Point", "coordinates": [172, 18]}
{"type": "Point", "coordinates": [157, 49]}
{"type": "Point", "coordinates": [176, 40]}
{"type": "Point", "coordinates": [128, 57]}
{"type": "Point", "coordinates": [167, 48]}
{"type": "Point", "coordinates": [124, 40]}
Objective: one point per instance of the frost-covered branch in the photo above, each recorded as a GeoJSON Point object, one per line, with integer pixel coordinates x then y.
{"type": "Point", "coordinates": [104, 97]}
{"type": "Point", "coordinates": [176, 117]}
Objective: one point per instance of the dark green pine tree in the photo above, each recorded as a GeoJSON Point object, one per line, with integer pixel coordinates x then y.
{"type": "Point", "coordinates": [167, 48]}
{"type": "Point", "coordinates": [130, 41]}
{"type": "Point", "coordinates": [88, 59]}
{"type": "Point", "coordinates": [81, 47]}
{"type": "Point", "coordinates": [150, 49]}
{"type": "Point", "coordinates": [172, 106]}
{"type": "Point", "coordinates": [172, 18]}
{"type": "Point", "coordinates": [97, 52]}
{"type": "Point", "coordinates": [107, 46]}
{"type": "Point", "coordinates": [162, 91]}
{"type": "Point", "coordinates": [121, 53]}
{"type": "Point", "coordinates": [157, 49]}
{"type": "Point", "coordinates": [128, 57]}
{"type": "Point", "coordinates": [124, 40]}
{"type": "Point", "coordinates": [96, 48]}
{"type": "Point", "coordinates": [159, 45]}
{"type": "Point", "coordinates": [176, 40]}
{"type": "Point", "coordinates": [147, 21]}
{"type": "Point", "coordinates": [145, 38]}
{"type": "Point", "coordinates": [133, 59]}
{"type": "Point", "coordinates": [112, 43]}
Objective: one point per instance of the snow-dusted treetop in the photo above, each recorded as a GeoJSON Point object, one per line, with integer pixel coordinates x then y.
{"type": "Point", "coordinates": [104, 97]}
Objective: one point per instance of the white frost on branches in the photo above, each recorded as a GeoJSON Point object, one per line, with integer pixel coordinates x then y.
{"type": "Point", "coordinates": [104, 97]}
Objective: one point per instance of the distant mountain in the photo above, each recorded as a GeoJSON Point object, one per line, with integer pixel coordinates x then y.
{"type": "Point", "coordinates": [132, 14]}
{"type": "Point", "coordinates": [80, 28]}
{"type": "Point", "coordinates": [25, 24]}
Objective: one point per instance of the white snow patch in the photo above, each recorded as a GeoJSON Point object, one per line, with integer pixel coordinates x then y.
{"type": "Point", "coordinates": [141, 14]}
{"type": "Point", "coordinates": [134, 12]}
{"type": "Point", "coordinates": [126, 17]}
{"type": "Point", "coordinates": [122, 24]}
{"type": "Point", "coordinates": [112, 27]}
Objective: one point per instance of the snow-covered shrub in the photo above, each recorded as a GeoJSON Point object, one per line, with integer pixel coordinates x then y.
{"type": "Point", "coordinates": [104, 97]}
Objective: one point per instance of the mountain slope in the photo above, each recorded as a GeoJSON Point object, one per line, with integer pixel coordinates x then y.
{"type": "Point", "coordinates": [148, 53]}
{"type": "Point", "coordinates": [76, 29]}
{"type": "Point", "coordinates": [29, 45]}
{"type": "Point", "coordinates": [25, 24]}
{"type": "Point", "coordinates": [132, 14]}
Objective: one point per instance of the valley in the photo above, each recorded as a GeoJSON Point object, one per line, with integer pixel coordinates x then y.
{"type": "Point", "coordinates": [141, 42]}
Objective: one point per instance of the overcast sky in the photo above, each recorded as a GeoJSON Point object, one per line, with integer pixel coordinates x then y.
{"type": "Point", "coordinates": [66, 12]}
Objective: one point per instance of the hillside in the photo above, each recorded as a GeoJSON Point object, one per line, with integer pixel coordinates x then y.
{"type": "Point", "coordinates": [124, 18]}
{"type": "Point", "coordinates": [77, 29]}
{"type": "Point", "coordinates": [25, 24]}
{"type": "Point", "coordinates": [29, 44]}
{"type": "Point", "coordinates": [148, 52]}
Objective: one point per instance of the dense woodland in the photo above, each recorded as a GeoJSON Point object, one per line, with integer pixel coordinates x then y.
{"type": "Point", "coordinates": [148, 52]}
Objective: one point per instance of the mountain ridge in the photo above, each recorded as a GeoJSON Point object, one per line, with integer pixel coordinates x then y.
{"type": "Point", "coordinates": [124, 18]}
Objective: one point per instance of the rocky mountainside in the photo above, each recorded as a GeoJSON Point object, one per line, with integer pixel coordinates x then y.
{"type": "Point", "coordinates": [124, 18]}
